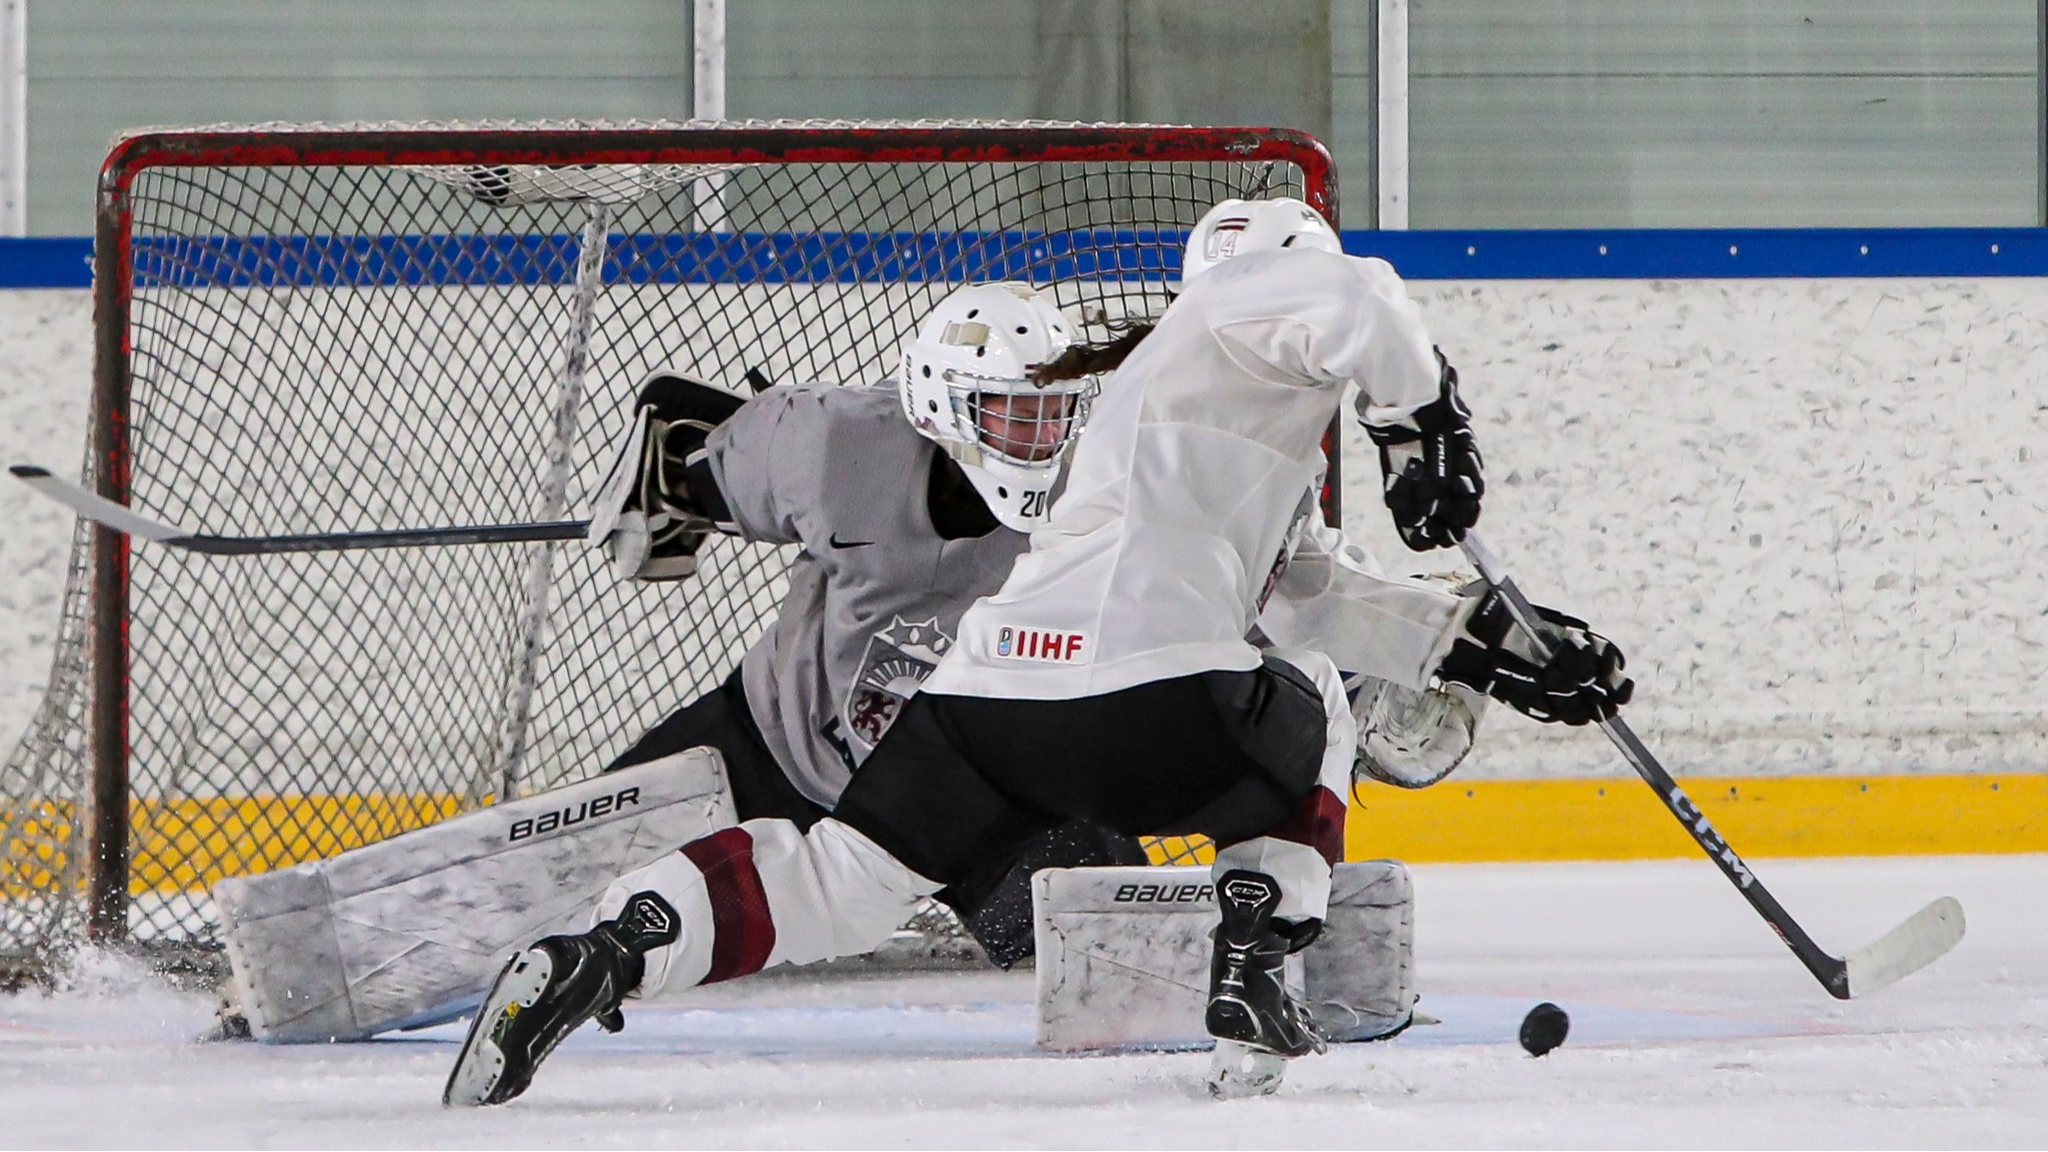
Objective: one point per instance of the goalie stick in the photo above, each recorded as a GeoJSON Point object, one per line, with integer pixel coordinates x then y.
{"type": "Point", "coordinates": [1923, 938]}
{"type": "Point", "coordinates": [100, 510]}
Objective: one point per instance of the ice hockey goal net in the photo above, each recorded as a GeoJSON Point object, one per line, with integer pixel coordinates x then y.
{"type": "Point", "coordinates": [316, 328]}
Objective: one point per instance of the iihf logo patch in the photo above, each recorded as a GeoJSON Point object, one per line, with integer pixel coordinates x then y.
{"type": "Point", "coordinates": [1037, 644]}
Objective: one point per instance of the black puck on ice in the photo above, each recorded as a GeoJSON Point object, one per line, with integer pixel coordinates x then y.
{"type": "Point", "coordinates": [1544, 1028]}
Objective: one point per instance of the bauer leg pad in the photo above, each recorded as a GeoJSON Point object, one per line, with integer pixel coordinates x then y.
{"type": "Point", "coordinates": [410, 931]}
{"type": "Point", "coordinates": [1124, 956]}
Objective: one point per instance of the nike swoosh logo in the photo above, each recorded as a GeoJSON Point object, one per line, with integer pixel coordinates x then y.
{"type": "Point", "coordinates": [836, 542]}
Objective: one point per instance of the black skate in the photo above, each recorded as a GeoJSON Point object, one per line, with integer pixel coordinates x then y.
{"type": "Point", "coordinates": [1258, 1026]}
{"type": "Point", "coordinates": [547, 992]}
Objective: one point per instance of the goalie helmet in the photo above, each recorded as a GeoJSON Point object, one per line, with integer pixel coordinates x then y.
{"type": "Point", "coordinates": [1235, 227]}
{"type": "Point", "coordinates": [966, 385]}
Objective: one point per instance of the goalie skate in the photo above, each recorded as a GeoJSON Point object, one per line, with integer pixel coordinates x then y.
{"type": "Point", "coordinates": [548, 991]}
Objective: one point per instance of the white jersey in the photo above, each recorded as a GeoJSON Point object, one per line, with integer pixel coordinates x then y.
{"type": "Point", "coordinates": [1183, 489]}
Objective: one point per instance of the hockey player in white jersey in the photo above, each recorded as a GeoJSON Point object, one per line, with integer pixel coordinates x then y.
{"type": "Point", "coordinates": [1110, 679]}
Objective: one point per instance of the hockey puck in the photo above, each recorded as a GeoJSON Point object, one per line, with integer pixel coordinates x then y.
{"type": "Point", "coordinates": [1544, 1028]}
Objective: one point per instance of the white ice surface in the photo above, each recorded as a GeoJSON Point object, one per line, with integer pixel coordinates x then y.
{"type": "Point", "coordinates": [1692, 1027]}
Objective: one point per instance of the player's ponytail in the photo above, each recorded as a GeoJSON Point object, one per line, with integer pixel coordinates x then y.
{"type": "Point", "coordinates": [1091, 359]}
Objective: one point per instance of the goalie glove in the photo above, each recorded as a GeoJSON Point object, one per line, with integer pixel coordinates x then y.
{"type": "Point", "coordinates": [660, 501]}
{"type": "Point", "coordinates": [1581, 682]}
{"type": "Point", "coordinates": [1432, 468]}
{"type": "Point", "coordinates": [1410, 738]}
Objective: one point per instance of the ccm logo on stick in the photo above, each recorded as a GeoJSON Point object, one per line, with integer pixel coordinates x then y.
{"type": "Point", "coordinates": [548, 822]}
{"type": "Point", "coordinates": [1163, 893]}
{"type": "Point", "coordinates": [1034, 644]}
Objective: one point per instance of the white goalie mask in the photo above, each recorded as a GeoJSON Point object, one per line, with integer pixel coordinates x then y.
{"type": "Point", "coordinates": [1235, 227]}
{"type": "Point", "coordinates": [966, 385]}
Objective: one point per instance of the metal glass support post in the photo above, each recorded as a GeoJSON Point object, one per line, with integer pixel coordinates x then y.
{"type": "Point", "coordinates": [707, 102]}
{"type": "Point", "coordinates": [13, 117]}
{"type": "Point", "coordinates": [1390, 116]}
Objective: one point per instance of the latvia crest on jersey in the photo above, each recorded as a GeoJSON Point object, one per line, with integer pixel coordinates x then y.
{"type": "Point", "coordinates": [897, 660]}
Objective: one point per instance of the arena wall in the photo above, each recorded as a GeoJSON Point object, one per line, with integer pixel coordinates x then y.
{"type": "Point", "coordinates": [1809, 510]}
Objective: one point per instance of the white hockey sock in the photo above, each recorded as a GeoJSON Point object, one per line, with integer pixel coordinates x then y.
{"type": "Point", "coordinates": [1303, 873]}
{"type": "Point", "coordinates": [763, 894]}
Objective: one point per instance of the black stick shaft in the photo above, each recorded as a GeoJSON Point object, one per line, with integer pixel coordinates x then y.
{"type": "Point", "coordinates": [387, 538]}
{"type": "Point", "coordinates": [1832, 973]}
{"type": "Point", "coordinates": [119, 517]}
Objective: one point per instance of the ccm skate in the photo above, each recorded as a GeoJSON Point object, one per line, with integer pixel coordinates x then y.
{"type": "Point", "coordinates": [546, 992]}
{"type": "Point", "coordinates": [1257, 1024]}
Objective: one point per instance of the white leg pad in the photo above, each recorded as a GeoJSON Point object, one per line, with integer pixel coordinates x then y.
{"type": "Point", "coordinates": [410, 931]}
{"type": "Point", "coordinates": [1123, 955]}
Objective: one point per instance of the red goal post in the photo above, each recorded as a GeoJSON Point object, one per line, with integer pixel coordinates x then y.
{"type": "Point", "coordinates": [289, 327]}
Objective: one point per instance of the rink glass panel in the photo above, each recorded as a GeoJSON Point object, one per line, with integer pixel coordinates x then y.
{"type": "Point", "coordinates": [353, 345]}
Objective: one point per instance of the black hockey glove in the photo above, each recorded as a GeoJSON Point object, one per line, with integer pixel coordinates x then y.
{"type": "Point", "coordinates": [1581, 682]}
{"type": "Point", "coordinates": [1432, 468]}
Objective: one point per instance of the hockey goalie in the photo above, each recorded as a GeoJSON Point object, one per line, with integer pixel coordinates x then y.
{"type": "Point", "coordinates": [1110, 678]}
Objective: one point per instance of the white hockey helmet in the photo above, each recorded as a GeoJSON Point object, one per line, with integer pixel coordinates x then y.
{"type": "Point", "coordinates": [1235, 227]}
{"type": "Point", "coordinates": [966, 385]}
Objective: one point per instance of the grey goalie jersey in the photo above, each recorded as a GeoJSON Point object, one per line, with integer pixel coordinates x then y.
{"type": "Point", "coordinates": [875, 595]}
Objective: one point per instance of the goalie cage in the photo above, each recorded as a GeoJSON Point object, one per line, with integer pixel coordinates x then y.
{"type": "Point", "coordinates": [305, 328]}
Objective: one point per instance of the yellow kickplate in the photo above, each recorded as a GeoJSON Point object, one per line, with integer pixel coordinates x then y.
{"type": "Point", "coordinates": [1622, 819]}
{"type": "Point", "coordinates": [189, 844]}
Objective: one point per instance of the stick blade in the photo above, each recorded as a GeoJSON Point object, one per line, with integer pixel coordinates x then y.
{"type": "Point", "coordinates": [1926, 936]}
{"type": "Point", "coordinates": [93, 506]}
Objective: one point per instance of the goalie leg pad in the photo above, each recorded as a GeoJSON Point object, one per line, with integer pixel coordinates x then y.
{"type": "Point", "coordinates": [1124, 954]}
{"type": "Point", "coordinates": [409, 931]}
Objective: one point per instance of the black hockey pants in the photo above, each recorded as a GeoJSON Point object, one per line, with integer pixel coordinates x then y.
{"type": "Point", "coordinates": [960, 781]}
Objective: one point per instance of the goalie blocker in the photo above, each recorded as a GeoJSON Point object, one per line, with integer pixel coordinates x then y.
{"type": "Point", "coordinates": [408, 932]}
{"type": "Point", "coordinates": [1123, 956]}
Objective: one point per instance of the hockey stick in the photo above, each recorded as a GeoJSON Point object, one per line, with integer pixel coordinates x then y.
{"type": "Point", "coordinates": [100, 510]}
{"type": "Point", "coordinates": [1926, 935]}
